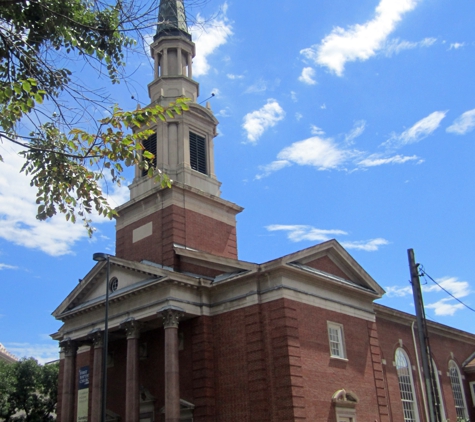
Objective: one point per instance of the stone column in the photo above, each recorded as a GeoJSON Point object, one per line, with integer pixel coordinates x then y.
{"type": "Point", "coordinates": [96, 393]}
{"type": "Point", "coordinates": [171, 318]}
{"type": "Point", "coordinates": [156, 66]}
{"type": "Point", "coordinates": [132, 392]}
{"type": "Point", "coordinates": [190, 62]}
{"type": "Point", "coordinates": [164, 66]}
{"type": "Point", "coordinates": [179, 59]}
{"type": "Point", "coordinates": [67, 398]}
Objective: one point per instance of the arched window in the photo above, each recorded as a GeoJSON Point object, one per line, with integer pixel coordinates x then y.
{"type": "Point", "coordinates": [457, 390]}
{"type": "Point", "coordinates": [406, 386]}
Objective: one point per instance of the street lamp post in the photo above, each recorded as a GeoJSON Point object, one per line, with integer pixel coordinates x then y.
{"type": "Point", "coordinates": [100, 257]}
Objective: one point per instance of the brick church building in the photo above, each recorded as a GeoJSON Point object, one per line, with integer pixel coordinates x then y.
{"type": "Point", "coordinates": [195, 334]}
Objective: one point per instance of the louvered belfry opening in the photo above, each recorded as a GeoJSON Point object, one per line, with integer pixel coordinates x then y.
{"type": "Point", "coordinates": [150, 145]}
{"type": "Point", "coordinates": [198, 153]}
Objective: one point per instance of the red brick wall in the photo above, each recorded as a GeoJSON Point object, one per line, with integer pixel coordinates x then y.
{"type": "Point", "coordinates": [271, 362]}
{"type": "Point", "coordinates": [389, 333]}
{"type": "Point", "coordinates": [176, 225]}
{"type": "Point", "coordinates": [203, 375]}
{"type": "Point", "coordinates": [232, 400]}
{"type": "Point", "coordinates": [323, 376]}
{"type": "Point", "coordinates": [151, 369]}
{"type": "Point", "coordinates": [116, 377]}
{"type": "Point", "coordinates": [326, 264]}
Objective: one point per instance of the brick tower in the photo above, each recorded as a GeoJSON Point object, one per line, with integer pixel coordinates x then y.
{"type": "Point", "coordinates": [191, 213]}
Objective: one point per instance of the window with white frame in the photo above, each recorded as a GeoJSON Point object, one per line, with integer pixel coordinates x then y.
{"type": "Point", "coordinates": [406, 386]}
{"type": "Point", "coordinates": [336, 340]}
{"type": "Point", "coordinates": [457, 390]}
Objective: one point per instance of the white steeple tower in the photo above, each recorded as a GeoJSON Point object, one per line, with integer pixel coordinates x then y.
{"type": "Point", "coordinates": [190, 214]}
{"type": "Point", "coordinates": [183, 146]}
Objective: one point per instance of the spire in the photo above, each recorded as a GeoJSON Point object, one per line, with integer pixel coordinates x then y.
{"type": "Point", "coordinates": [172, 19]}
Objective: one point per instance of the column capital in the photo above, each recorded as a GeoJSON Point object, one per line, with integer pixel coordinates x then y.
{"type": "Point", "coordinates": [171, 317]}
{"type": "Point", "coordinates": [97, 337]}
{"type": "Point", "coordinates": [132, 328]}
{"type": "Point", "coordinates": [68, 347]}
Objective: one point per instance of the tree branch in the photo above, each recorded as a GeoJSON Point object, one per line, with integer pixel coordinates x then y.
{"type": "Point", "coordinates": [30, 147]}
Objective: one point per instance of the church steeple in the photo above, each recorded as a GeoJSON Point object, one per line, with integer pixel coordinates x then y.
{"type": "Point", "coordinates": [172, 19]}
{"type": "Point", "coordinates": [191, 213]}
{"type": "Point", "coordinates": [172, 52]}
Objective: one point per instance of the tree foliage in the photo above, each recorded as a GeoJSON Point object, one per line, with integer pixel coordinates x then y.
{"type": "Point", "coordinates": [46, 109]}
{"type": "Point", "coordinates": [28, 391]}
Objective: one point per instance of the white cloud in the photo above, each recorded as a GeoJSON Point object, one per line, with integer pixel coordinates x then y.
{"type": "Point", "coordinates": [447, 306]}
{"type": "Point", "coordinates": [325, 154]}
{"type": "Point", "coordinates": [376, 160]}
{"type": "Point", "coordinates": [396, 46]}
{"type": "Point", "coordinates": [55, 236]}
{"type": "Point", "coordinates": [7, 267]}
{"type": "Point", "coordinates": [457, 288]}
{"type": "Point", "coordinates": [233, 77]}
{"type": "Point", "coordinates": [315, 130]}
{"type": "Point", "coordinates": [396, 291]}
{"type": "Point", "coordinates": [307, 76]}
{"type": "Point", "coordinates": [298, 233]}
{"type": "Point", "coordinates": [293, 95]}
{"type": "Point", "coordinates": [444, 308]}
{"type": "Point", "coordinates": [321, 153]}
{"type": "Point", "coordinates": [366, 245]}
{"type": "Point", "coordinates": [208, 37]}
{"type": "Point", "coordinates": [43, 353]}
{"type": "Point", "coordinates": [225, 112]}
{"type": "Point", "coordinates": [259, 86]}
{"type": "Point", "coordinates": [359, 41]}
{"type": "Point", "coordinates": [422, 129]}
{"type": "Point", "coordinates": [271, 168]}
{"type": "Point", "coordinates": [257, 122]}
{"type": "Point", "coordinates": [298, 116]}
{"type": "Point", "coordinates": [357, 131]}
{"type": "Point", "coordinates": [456, 45]}
{"type": "Point", "coordinates": [463, 124]}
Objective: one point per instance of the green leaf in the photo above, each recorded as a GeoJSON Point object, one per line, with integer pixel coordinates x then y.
{"type": "Point", "coordinates": [26, 86]}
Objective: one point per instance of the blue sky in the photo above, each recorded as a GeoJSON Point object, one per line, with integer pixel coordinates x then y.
{"type": "Point", "coordinates": [342, 119]}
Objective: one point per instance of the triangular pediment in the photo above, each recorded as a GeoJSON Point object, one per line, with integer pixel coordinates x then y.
{"type": "Point", "coordinates": [127, 276]}
{"type": "Point", "coordinates": [330, 261]}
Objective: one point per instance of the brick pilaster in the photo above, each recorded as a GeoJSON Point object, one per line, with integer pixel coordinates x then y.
{"type": "Point", "coordinates": [258, 386]}
{"type": "Point", "coordinates": [288, 386]}
{"type": "Point", "coordinates": [379, 379]}
{"type": "Point", "coordinates": [204, 393]}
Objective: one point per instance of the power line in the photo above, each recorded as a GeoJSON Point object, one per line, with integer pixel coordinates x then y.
{"type": "Point", "coordinates": [424, 273]}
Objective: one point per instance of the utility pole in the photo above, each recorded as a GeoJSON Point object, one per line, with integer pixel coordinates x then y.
{"type": "Point", "coordinates": [427, 367]}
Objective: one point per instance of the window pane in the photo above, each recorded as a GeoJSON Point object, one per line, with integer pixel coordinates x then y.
{"type": "Point", "coordinates": [457, 391]}
{"type": "Point", "coordinates": [335, 338]}
{"type": "Point", "coordinates": [406, 386]}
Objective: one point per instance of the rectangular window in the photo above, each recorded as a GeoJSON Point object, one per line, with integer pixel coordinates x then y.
{"type": "Point", "coordinates": [336, 340]}
{"type": "Point", "coordinates": [198, 153]}
{"type": "Point", "coordinates": [150, 145]}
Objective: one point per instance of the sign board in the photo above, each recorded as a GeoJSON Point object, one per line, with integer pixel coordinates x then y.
{"type": "Point", "coordinates": [83, 394]}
